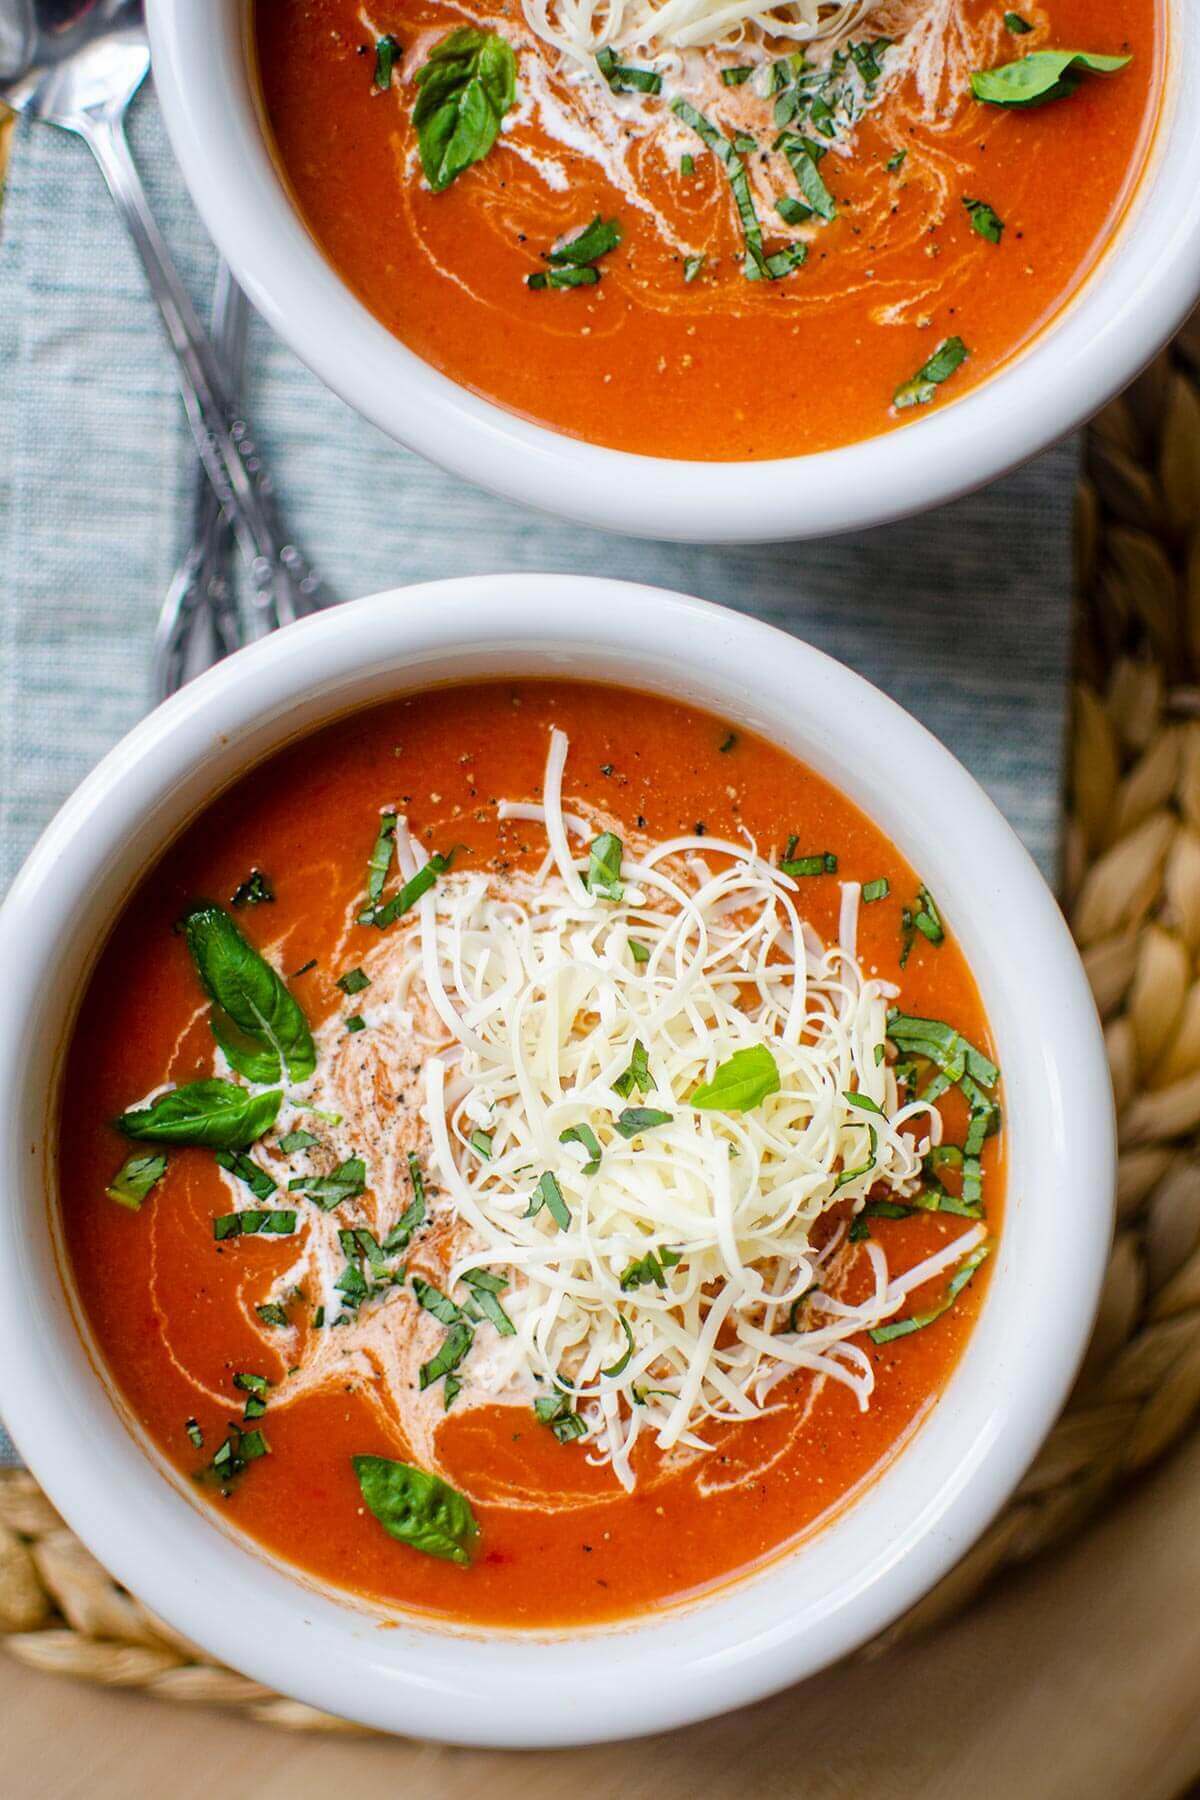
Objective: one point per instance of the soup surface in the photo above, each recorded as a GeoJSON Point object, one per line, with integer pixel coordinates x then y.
{"type": "Point", "coordinates": [800, 240]}
{"type": "Point", "coordinates": [477, 1190]}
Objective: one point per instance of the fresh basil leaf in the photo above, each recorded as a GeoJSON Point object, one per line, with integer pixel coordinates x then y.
{"type": "Point", "coordinates": [256, 1021]}
{"type": "Point", "coordinates": [486, 1288]}
{"type": "Point", "coordinates": [562, 278]}
{"type": "Point", "coordinates": [455, 1345]}
{"type": "Point", "coordinates": [466, 87]}
{"type": "Point", "coordinates": [637, 1076]}
{"type": "Point", "coordinates": [740, 1083]}
{"type": "Point", "coordinates": [215, 1114]}
{"type": "Point", "coordinates": [555, 1411]}
{"type": "Point", "coordinates": [622, 78]}
{"type": "Point", "coordinates": [886, 1334]}
{"type": "Point", "coordinates": [583, 1134]}
{"type": "Point", "coordinates": [984, 220]}
{"type": "Point", "coordinates": [604, 866]}
{"type": "Point", "coordinates": [1041, 76]}
{"type": "Point", "coordinates": [622, 1362]}
{"type": "Point", "coordinates": [297, 1140]}
{"type": "Point", "coordinates": [418, 1509]}
{"type": "Point", "coordinates": [434, 1301]}
{"type": "Point", "coordinates": [596, 239]}
{"type": "Point", "coordinates": [387, 51]}
{"type": "Point", "coordinates": [803, 157]}
{"type": "Point", "coordinates": [547, 1193]}
{"type": "Point", "coordinates": [134, 1180]}
{"type": "Point", "coordinates": [261, 1184]}
{"type": "Point", "coordinates": [636, 1119]}
{"type": "Point", "coordinates": [949, 356]}
{"type": "Point", "coordinates": [256, 890]}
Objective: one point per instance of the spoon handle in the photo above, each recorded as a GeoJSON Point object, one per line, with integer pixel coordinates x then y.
{"type": "Point", "coordinates": [285, 588]}
{"type": "Point", "coordinates": [198, 623]}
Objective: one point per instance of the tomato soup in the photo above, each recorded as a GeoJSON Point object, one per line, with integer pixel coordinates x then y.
{"type": "Point", "coordinates": [529, 1153]}
{"type": "Point", "coordinates": [708, 242]}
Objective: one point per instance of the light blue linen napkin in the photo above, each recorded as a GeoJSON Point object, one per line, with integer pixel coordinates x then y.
{"type": "Point", "coordinates": [963, 616]}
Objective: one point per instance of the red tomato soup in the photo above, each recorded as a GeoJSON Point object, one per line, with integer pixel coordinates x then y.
{"type": "Point", "coordinates": [796, 242]}
{"type": "Point", "coordinates": [528, 1153]}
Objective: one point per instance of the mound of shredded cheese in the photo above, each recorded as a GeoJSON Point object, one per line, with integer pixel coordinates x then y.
{"type": "Point", "coordinates": [579, 28]}
{"type": "Point", "coordinates": [671, 1277]}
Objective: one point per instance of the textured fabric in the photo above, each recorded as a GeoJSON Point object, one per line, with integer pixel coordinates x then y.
{"type": "Point", "coordinates": [962, 616]}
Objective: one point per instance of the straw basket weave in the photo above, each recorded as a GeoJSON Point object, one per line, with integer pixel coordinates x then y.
{"type": "Point", "coordinates": [1132, 892]}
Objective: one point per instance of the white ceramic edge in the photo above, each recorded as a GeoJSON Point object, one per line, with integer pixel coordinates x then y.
{"type": "Point", "coordinates": [1129, 307]}
{"type": "Point", "coordinates": [907, 1529]}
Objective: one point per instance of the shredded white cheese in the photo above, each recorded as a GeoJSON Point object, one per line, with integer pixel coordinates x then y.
{"type": "Point", "coordinates": [578, 28]}
{"type": "Point", "coordinates": [545, 1001]}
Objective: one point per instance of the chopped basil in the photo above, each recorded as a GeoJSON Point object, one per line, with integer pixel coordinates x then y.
{"type": "Point", "coordinates": [895, 163]}
{"type": "Point", "coordinates": [254, 1222]}
{"type": "Point", "coordinates": [261, 1184]}
{"type": "Point", "coordinates": [636, 1119]}
{"type": "Point", "coordinates": [434, 1301]}
{"type": "Point", "coordinates": [451, 1389]}
{"type": "Point", "coordinates": [728, 743]}
{"type": "Point", "coordinates": [639, 952]}
{"type": "Point", "coordinates": [791, 210]}
{"type": "Point", "coordinates": [413, 1215]}
{"type": "Point", "coordinates": [736, 76]}
{"type": "Point", "coordinates": [555, 1411]}
{"type": "Point", "coordinates": [481, 1143]}
{"type": "Point", "coordinates": [886, 1334]}
{"type": "Point", "coordinates": [583, 1134]}
{"type": "Point", "coordinates": [465, 89]}
{"type": "Point", "coordinates": [739, 182]}
{"type": "Point", "coordinates": [949, 356]}
{"type": "Point", "coordinates": [418, 1509]}
{"type": "Point", "coordinates": [622, 1362]}
{"type": "Point", "coordinates": [649, 1268]}
{"type": "Point", "coordinates": [984, 220]}
{"type": "Point", "coordinates": [623, 78]}
{"type": "Point", "coordinates": [134, 1180]}
{"type": "Point", "coordinates": [547, 1193]}
{"type": "Point", "coordinates": [192, 1427]}
{"type": "Point", "coordinates": [215, 1114]}
{"type": "Point", "coordinates": [485, 1289]}
{"type": "Point", "coordinates": [354, 1024]}
{"type": "Point", "coordinates": [297, 1140]}
{"type": "Point", "coordinates": [455, 1344]}
{"type": "Point", "coordinates": [604, 866]}
{"type": "Point", "coordinates": [1041, 76]}
{"type": "Point", "coordinates": [692, 266]}
{"type": "Point", "coordinates": [744, 143]}
{"type": "Point", "coordinates": [596, 239]}
{"type": "Point", "coordinates": [353, 982]}
{"type": "Point", "coordinates": [927, 919]}
{"type": "Point", "coordinates": [255, 1020]}
{"type": "Point", "coordinates": [740, 1083]}
{"type": "Point", "coordinates": [272, 1313]}
{"type": "Point", "coordinates": [387, 50]}
{"type": "Point", "coordinates": [562, 278]}
{"type": "Point", "coordinates": [803, 158]}
{"type": "Point", "coordinates": [256, 890]}
{"type": "Point", "coordinates": [251, 1384]}
{"type": "Point", "coordinates": [328, 1191]}
{"type": "Point", "coordinates": [379, 862]}
{"type": "Point", "coordinates": [410, 893]}
{"type": "Point", "coordinates": [637, 1076]}
{"type": "Point", "coordinates": [1016, 24]}
{"type": "Point", "coordinates": [687, 164]}
{"type": "Point", "coordinates": [863, 1103]}
{"type": "Point", "coordinates": [239, 1449]}
{"type": "Point", "coordinates": [876, 890]}
{"type": "Point", "coordinates": [823, 863]}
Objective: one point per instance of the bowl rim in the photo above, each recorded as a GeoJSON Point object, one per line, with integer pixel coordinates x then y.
{"type": "Point", "coordinates": [1132, 301]}
{"type": "Point", "coordinates": [902, 1534]}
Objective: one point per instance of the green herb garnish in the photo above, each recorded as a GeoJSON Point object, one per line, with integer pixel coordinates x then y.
{"type": "Point", "coordinates": [410, 893]}
{"type": "Point", "coordinates": [134, 1180]}
{"type": "Point", "coordinates": [637, 1076]}
{"type": "Point", "coordinates": [261, 1184]}
{"type": "Point", "coordinates": [1016, 24]}
{"type": "Point", "coordinates": [692, 266]}
{"type": "Point", "coordinates": [622, 1362]}
{"type": "Point", "coordinates": [256, 890]}
{"type": "Point", "coordinates": [949, 356]}
{"type": "Point", "coordinates": [604, 866]}
{"type": "Point", "coordinates": [327, 1191]}
{"type": "Point", "coordinates": [555, 1411]}
{"type": "Point", "coordinates": [623, 78]}
{"type": "Point", "coordinates": [255, 1020]}
{"type": "Point", "coordinates": [984, 220]}
{"type": "Point", "coordinates": [272, 1313]}
{"type": "Point", "coordinates": [739, 182]}
{"type": "Point", "coordinates": [254, 1222]}
{"type": "Point", "coordinates": [886, 1334]}
{"type": "Point", "coordinates": [215, 1114]}
{"type": "Point", "coordinates": [823, 863]}
{"type": "Point", "coordinates": [740, 1083]}
{"type": "Point", "coordinates": [650, 1268]}
{"type": "Point", "coordinates": [485, 1291]}
{"type": "Point", "coordinates": [896, 162]}
{"type": "Point", "coordinates": [297, 1140]}
{"type": "Point", "coordinates": [547, 1193]}
{"type": "Point", "coordinates": [455, 1344]}
{"type": "Point", "coordinates": [481, 1143]}
{"type": "Point", "coordinates": [583, 1134]}
{"type": "Point", "coordinates": [803, 158]}
{"type": "Point", "coordinates": [387, 51]}
{"type": "Point", "coordinates": [353, 982]}
{"type": "Point", "coordinates": [1041, 76]}
{"type": "Point", "coordinates": [736, 76]}
{"type": "Point", "coordinates": [636, 1119]}
{"type": "Point", "coordinates": [420, 1510]}
{"type": "Point", "coordinates": [466, 87]}
{"type": "Point", "coordinates": [876, 890]}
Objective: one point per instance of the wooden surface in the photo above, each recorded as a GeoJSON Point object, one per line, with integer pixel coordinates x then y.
{"type": "Point", "coordinates": [1078, 1677]}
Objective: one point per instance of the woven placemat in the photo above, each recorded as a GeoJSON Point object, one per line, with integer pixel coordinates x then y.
{"type": "Point", "coordinates": [1132, 892]}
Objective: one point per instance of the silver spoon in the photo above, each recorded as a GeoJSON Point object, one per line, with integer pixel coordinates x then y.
{"type": "Point", "coordinates": [198, 624]}
{"type": "Point", "coordinates": [77, 64]}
